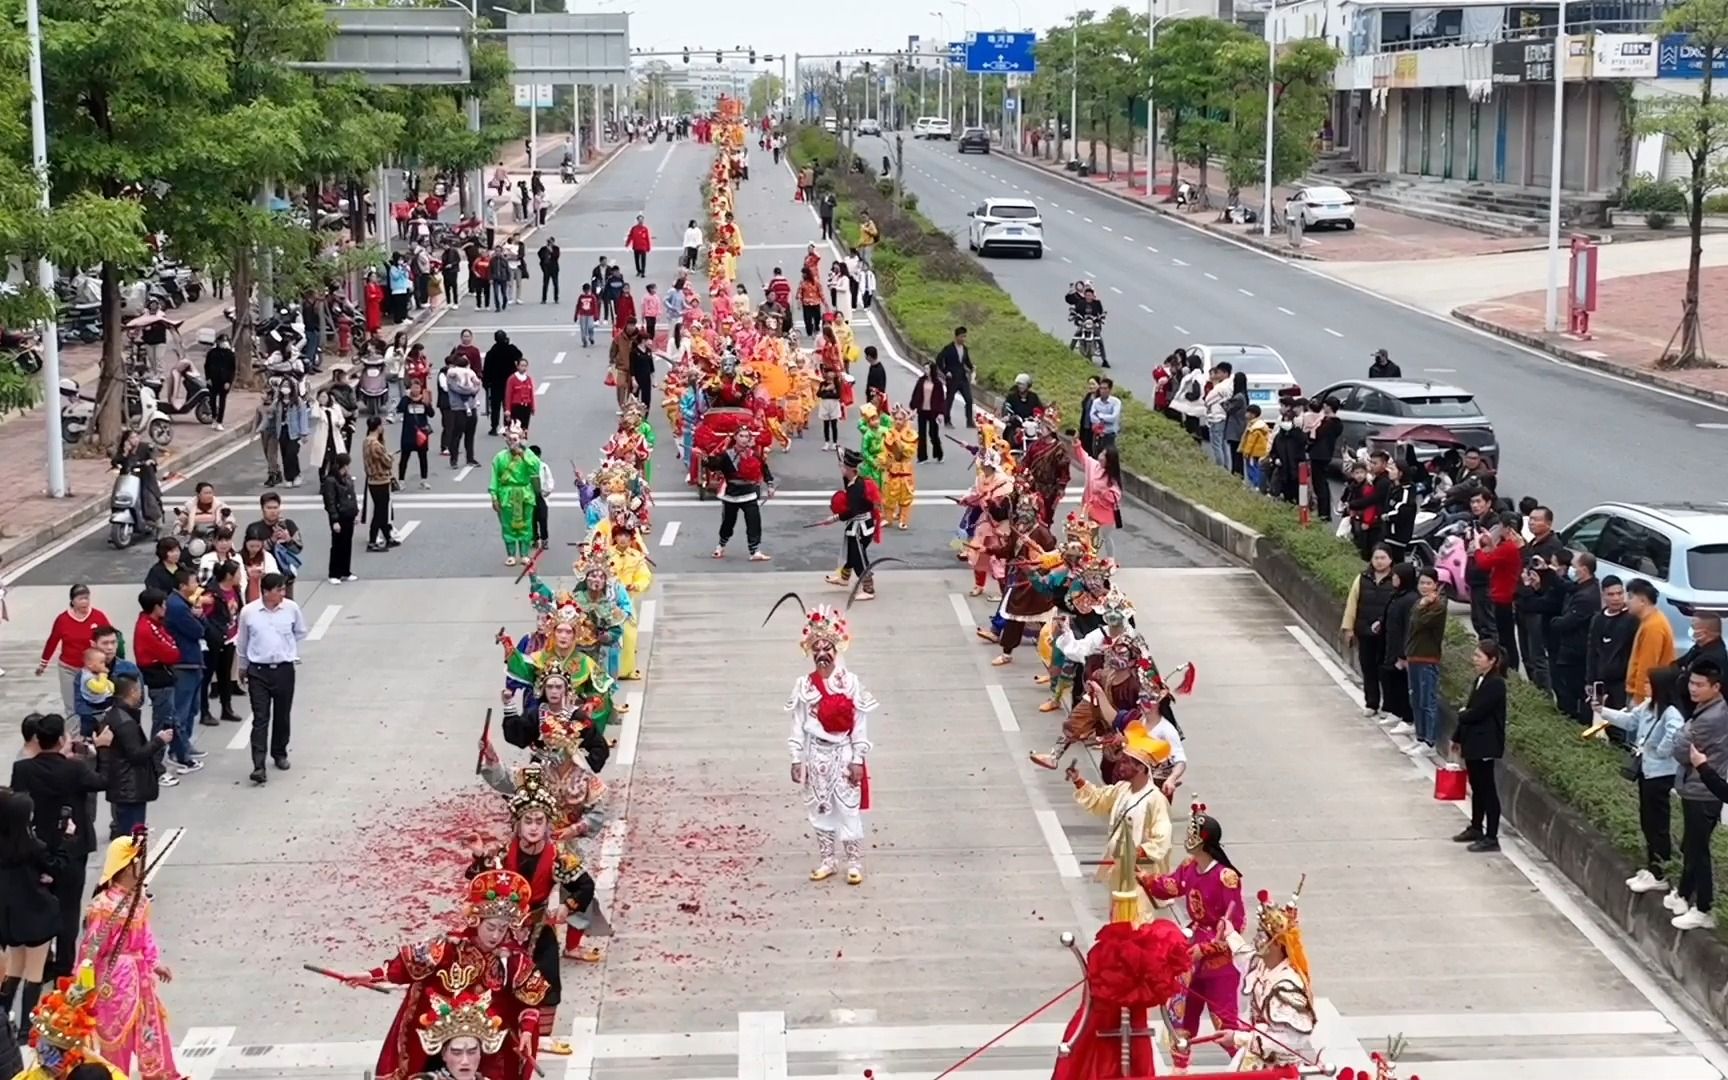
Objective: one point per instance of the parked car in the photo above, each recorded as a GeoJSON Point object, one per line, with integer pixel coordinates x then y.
{"type": "Point", "coordinates": [1268, 374]}
{"type": "Point", "coordinates": [869, 125]}
{"type": "Point", "coordinates": [975, 138]}
{"type": "Point", "coordinates": [1681, 548]}
{"type": "Point", "coordinates": [1323, 205]}
{"type": "Point", "coordinates": [1369, 407]}
{"type": "Point", "coordinates": [939, 128]}
{"type": "Point", "coordinates": [1006, 225]}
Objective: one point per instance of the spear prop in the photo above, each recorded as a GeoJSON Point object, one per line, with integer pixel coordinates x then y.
{"type": "Point", "coordinates": [328, 974]}
{"type": "Point", "coordinates": [485, 741]}
{"type": "Point", "coordinates": [528, 567]}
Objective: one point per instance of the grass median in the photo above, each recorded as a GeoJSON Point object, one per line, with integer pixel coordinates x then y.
{"type": "Point", "coordinates": [928, 285]}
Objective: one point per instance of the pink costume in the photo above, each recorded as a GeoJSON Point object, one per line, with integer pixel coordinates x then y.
{"type": "Point", "coordinates": [1211, 896]}
{"type": "Point", "coordinates": [130, 1020]}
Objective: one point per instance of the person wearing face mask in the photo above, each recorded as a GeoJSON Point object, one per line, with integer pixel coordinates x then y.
{"type": "Point", "coordinates": [1289, 450]}
{"type": "Point", "coordinates": [830, 742]}
{"type": "Point", "coordinates": [1569, 635]}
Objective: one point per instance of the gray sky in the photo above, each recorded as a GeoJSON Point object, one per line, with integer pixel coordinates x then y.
{"type": "Point", "coordinates": [821, 26]}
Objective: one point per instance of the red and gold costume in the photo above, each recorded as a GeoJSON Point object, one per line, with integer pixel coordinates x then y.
{"type": "Point", "coordinates": [1045, 461]}
{"type": "Point", "coordinates": [456, 961]}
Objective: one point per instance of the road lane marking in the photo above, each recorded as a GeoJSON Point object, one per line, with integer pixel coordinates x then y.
{"type": "Point", "coordinates": [1115, 290]}
{"type": "Point", "coordinates": [199, 1053]}
{"type": "Point", "coordinates": [1177, 262]}
{"type": "Point", "coordinates": [1108, 229]}
{"type": "Point", "coordinates": [665, 160]}
{"type": "Point", "coordinates": [1004, 711]}
{"type": "Point", "coordinates": [462, 473]}
{"type": "Point", "coordinates": [1087, 220]}
{"type": "Point", "coordinates": [669, 535]}
{"type": "Point", "coordinates": [1331, 331]}
{"type": "Point", "coordinates": [1066, 259]}
{"type": "Point", "coordinates": [1146, 309]}
{"type": "Point", "coordinates": [322, 626]}
{"type": "Point", "coordinates": [1243, 291]}
{"type": "Point", "coordinates": [1286, 311]}
{"type": "Point", "coordinates": [1128, 238]}
{"type": "Point", "coordinates": [645, 621]}
{"type": "Point", "coordinates": [1450, 371]}
{"type": "Point", "coordinates": [407, 529]}
{"type": "Point", "coordinates": [1057, 841]}
{"type": "Point", "coordinates": [1181, 330]}
{"type": "Point", "coordinates": [541, 390]}
{"type": "Point", "coordinates": [1152, 249]}
{"type": "Point", "coordinates": [962, 614]}
{"type": "Point", "coordinates": [632, 725]}
{"type": "Point", "coordinates": [1210, 276]}
{"type": "Point", "coordinates": [242, 738]}
{"type": "Point", "coordinates": [1709, 426]}
{"type": "Point", "coordinates": [1070, 213]}
{"type": "Point", "coordinates": [558, 358]}
{"type": "Point", "coordinates": [580, 1064]}
{"type": "Point", "coordinates": [762, 1046]}
{"type": "Point", "coordinates": [162, 845]}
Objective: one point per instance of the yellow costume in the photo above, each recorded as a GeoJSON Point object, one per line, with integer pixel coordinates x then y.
{"type": "Point", "coordinates": [1139, 820]}
{"type": "Point", "coordinates": [629, 561]}
{"type": "Point", "coordinates": [848, 343]}
{"type": "Point", "coordinates": [900, 474]}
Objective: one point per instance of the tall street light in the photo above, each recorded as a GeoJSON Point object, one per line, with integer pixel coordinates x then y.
{"type": "Point", "coordinates": [945, 77]}
{"type": "Point", "coordinates": [1552, 308]}
{"type": "Point", "coordinates": [479, 178]}
{"type": "Point", "coordinates": [1271, 103]}
{"type": "Point", "coordinates": [44, 269]}
{"type": "Point", "coordinates": [1151, 107]}
{"type": "Point", "coordinates": [1074, 97]}
{"type": "Point", "coordinates": [965, 7]}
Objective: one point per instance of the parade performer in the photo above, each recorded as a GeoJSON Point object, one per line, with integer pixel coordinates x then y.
{"type": "Point", "coordinates": [1045, 462]}
{"type": "Point", "coordinates": [1112, 677]}
{"type": "Point", "coordinates": [566, 648]}
{"type": "Point", "coordinates": [900, 486]}
{"type": "Point", "coordinates": [633, 442]}
{"type": "Point", "coordinates": [567, 761]}
{"type": "Point", "coordinates": [63, 1030]}
{"type": "Point", "coordinates": [871, 451]}
{"type": "Point", "coordinates": [482, 955]}
{"type": "Point", "coordinates": [690, 408]}
{"type": "Point", "coordinates": [605, 603]}
{"type": "Point", "coordinates": [549, 707]}
{"type": "Point", "coordinates": [1135, 808]}
{"type": "Point", "coordinates": [1028, 592]}
{"type": "Point", "coordinates": [515, 483]}
{"type": "Point", "coordinates": [462, 1037]}
{"type": "Point", "coordinates": [1211, 892]}
{"type": "Point", "coordinates": [985, 522]}
{"type": "Point", "coordinates": [120, 946]}
{"type": "Point", "coordinates": [1279, 991]}
{"type": "Point", "coordinates": [633, 571]}
{"type": "Point", "coordinates": [857, 506]}
{"type": "Point", "coordinates": [830, 742]}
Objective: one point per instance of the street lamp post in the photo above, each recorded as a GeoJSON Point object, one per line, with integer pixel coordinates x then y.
{"type": "Point", "coordinates": [44, 269]}
{"type": "Point", "coordinates": [1074, 97]}
{"type": "Point", "coordinates": [945, 77]}
{"type": "Point", "coordinates": [1271, 102]}
{"type": "Point", "coordinates": [1552, 308]}
{"type": "Point", "coordinates": [965, 7]}
{"type": "Point", "coordinates": [479, 178]}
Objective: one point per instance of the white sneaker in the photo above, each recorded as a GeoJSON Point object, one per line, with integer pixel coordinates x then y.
{"type": "Point", "coordinates": [1372, 714]}
{"type": "Point", "coordinates": [1692, 919]}
{"type": "Point", "coordinates": [1644, 881]}
{"type": "Point", "coordinates": [168, 779]}
{"type": "Point", "coordinates": [1415, 749]}
{"type": "Point", "coordinates": [1402, 727]}
{"type": "Point", "coordinates": [352, 577]}
{"type": "Point", "coordinates": [219, 427]}
{"type": "Point", "coordinates": [1673, 903]}
{"type": "Point", "coordinates": [335, 581]}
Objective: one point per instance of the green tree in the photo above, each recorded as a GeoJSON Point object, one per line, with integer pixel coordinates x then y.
{"type": "Point", "coordinates": [1195, 88]}
{"type": "Point", "coordinates": [683, 102]}
{"type": "Point", "coordinates": [766, 93]}
{"type": "Point", "coordinates": [1301, 85]}
{"type": "Point", "coordinates": [1698, 128]}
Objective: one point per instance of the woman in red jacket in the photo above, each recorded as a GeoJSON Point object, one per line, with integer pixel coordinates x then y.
{"type": "Point", "coordinates": [1500, 552]}
{"type": "Point", "coordinates": [626, 311]}
{"type": "Point", "coordinates": [519, 395]}
{"type": "Point", "coordinates": [374, 302]}
{"type": "Point", "coordinates": [71, 634]}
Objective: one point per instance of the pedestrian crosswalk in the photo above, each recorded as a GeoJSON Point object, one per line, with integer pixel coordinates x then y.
{"type": "Point", "coordinates": [480, 500]}
{"type": "Point", "coordinates": [763, 1045]}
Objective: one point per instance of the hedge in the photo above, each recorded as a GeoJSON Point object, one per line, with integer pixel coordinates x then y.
{"type": "Point", "coordinates": [929, 286]}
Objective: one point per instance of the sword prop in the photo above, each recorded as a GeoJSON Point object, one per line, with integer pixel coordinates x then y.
{"type": "Point", "coordinates": [328, 974]}
{"type": "Point", "coordinates": [528, 567]}
{"type": "Point", "coordinates": [485, 741]}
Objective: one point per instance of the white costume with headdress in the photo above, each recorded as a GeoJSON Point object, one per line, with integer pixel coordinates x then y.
{"type": "Point", "coordinates": [1280, 996]}
{"type": "Point", "coordinates": [829, 734]}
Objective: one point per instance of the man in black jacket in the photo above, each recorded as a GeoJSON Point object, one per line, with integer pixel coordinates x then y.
{"type": "Point", "coordinates": [549, 253]}
{"type": "Point", "coordinates": [1569, 637]}
{"type": "Point", "coordinates": [955, 363]}
{"type": "Point", "coordinates": [1476, 577]}
{"type": "Point", "coordinates": [875, 379]}
{"type": "Point", "coordinates": [1541, 597]}
{"type": "Point", "coordinates": [61, 787]}
{"type": "Point", "coordinates": [1610, 647]}
{"type": "Point", "coordinates": [1706, 645]}
{"type": "Point", "coordinates": [343, 507]}
{"type": "Point", "coordinates": [499, 365]}
{"type": "Point", "coordinates": [132, 761]}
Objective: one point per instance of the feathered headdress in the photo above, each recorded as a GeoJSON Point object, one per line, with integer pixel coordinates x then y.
{"type": "Point", "coordinates": [1281, 924]}
{"type": "Point", "coordinates": [467, 1015]}
{"type": "Point", "coordinates": [821, 625]}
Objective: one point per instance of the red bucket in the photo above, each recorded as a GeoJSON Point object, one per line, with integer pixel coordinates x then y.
{"type": "Point", "coordinates": [1450, 783]}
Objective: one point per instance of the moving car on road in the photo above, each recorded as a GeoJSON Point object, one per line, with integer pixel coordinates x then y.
{"type": "Point", "coordinates": [975, 138]}
{"type": "Point", "coordinates": [1269, 376]}
{"type": "Point", "coordinates": [939, 128]}
{"type": "Point", "coordinates": [1006, 225]}
{"type": "Point", "coordinates": [1681, 548]}
{"type": "Point", "coordinates": [921, 126]}
{"type": "Point", "coordinates": [1370, 407]}
{"type": "Point", "coordinates": [869, 126]}
{"type": "Point", "coordinates": [1323, 205]}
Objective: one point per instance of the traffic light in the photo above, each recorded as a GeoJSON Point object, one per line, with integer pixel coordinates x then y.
{"type": "Point", "coordinates": [836, 67]}
{"type": "Point", "coordinates": [752, 56]}
{"type": "Point", "coordinates": [686, 55]}
{"type": "Point", "coordinates": [866, 67]}
{"type": "Point", "coordinates": [719, 56]}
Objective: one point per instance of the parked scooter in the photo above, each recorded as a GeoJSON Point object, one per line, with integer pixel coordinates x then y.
{"type": "Point", "coordinates": [194, 393]}
{"type": "Point", "coordinates": [373, 387]}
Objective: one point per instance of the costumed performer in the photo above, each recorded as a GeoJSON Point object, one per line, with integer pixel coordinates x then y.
{"type": "Point", "coordinates": [572, 633]}
{"type": "Point", "coordinates": [1279, 991]}
{"type": "Point", "coordinates": [871, 452]}
{"type": "Point", "coordinates": [119, 944]}
{"type": "Point", "coordinates": [1211, 892]}
{"type": "Point", "coordinates": [1112, 660]}
{"type": "Point", "coordinates": [857, 506]}
{"type": "Point", "coordinates": [1045, 461]}
{"type": "Point", "coordinates": [566, 760]}
{"type": "Point", "coordinates": [633, 571]}
{"type": "Point", "coordinates": [1028, 593]}
{"type": "Point", "coordinates": [634, 440]}
{"type": "Point", "coordinates": [985, 521]}
{"type": "Point", "coordinates": [605, 602]}
{"type": "Point", "coordinates": [462, 1036]}
{"type": "Point", "coordinates": [481, 955]}
{"type": "Point", "coordinates": [1135, 809]}
{"type": "Point", "coordinates": [63, 1031]}
{"type": "Point", "coordinates": [515, 485]}
{"type": "Point", "coordinates": [900, 457]}
{"type": "Point", "coordinates": [830, 742]}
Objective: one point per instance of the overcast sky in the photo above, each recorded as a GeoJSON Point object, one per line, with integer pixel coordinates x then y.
{"type": "Point", "coordinates": [821, 26]}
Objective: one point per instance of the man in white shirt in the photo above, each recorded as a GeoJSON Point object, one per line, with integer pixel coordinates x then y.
{"type": "Point", "coordinates": [266, 648]}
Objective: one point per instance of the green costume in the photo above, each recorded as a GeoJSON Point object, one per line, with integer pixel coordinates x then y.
{"type": "Point", "coordinates": [587, 678]}
{"type": "Point", "coordinates": [870, 448]}
{"type": "Point", "coordinates": [515, 484]}
{"type": "Point", "coordinates": [647, 462]}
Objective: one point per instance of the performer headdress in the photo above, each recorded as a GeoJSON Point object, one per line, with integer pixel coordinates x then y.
{"type": "Point", "coordinates": [822, 625]}
{"type": "Point", "coordinates": [514, 436]}
{"type": "Point", "coordinates": [467, 1015]}
{"type": "Point", "coordinates": [1281, 924]}
{"type": "Point", "coordinates": [63, 1024]}
{"type": "Point", "coordinates": [533, 793]}
{"type": "Point", "coordinates": [592, 559]}
{"type": "Point", "coordinates": [498, 894]}
{"type": "Point", "coordinates": [634, 412]}
{"type": "Point", "coordinates": [123, 851]}
{"type": "Point", "coordinates": [1115, 609]}
{"type": "Point", "coordinates": [1203, 828]}
{"type": "Point", "coordinates": [1139, 744]}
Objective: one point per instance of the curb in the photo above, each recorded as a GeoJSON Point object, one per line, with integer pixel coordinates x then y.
{"type": "Point", "coordinates": [1578, 359]}
{"type": "Point", "coordinates": [1251, 239]}
{"type": "Point", "coordinates": [1697, 963]}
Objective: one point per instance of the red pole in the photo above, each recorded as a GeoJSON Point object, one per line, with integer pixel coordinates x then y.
{"type": "Point", "coordinates": [1305, 490]}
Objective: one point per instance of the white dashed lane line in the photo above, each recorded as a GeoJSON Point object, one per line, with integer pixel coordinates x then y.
{"type": "Point", "coordinates": [1333, 332]}
{"type": "Point", "coordinates": [1244, 292]}
{"type": "Point", "coordinates": [1183, 330]}
{"type": "Point", "coordinates": [1210, 276]}
{"type": "Point", "coordinates": [1286, 311]}
{"type": "Point", "coordinates": [1066, 259]}
{"type": "Point", "coordinates": [1107, 228]}
{"type": "Point", "coordinates": [1115, 290]}
{"type": "Point", "coordinates": [1128, 238]}
{"type": "Point", "coordinates": [1177, 262]}
{"type": "Point", "coordinates": [1087, 220]}
{"type": "Point", "coordinates": [1152, 249]}
{"type": "Point", "coordinates": [1146, 309]}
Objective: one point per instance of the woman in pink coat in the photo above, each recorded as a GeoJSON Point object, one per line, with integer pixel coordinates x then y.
{"type": "Point", "coordinates": [1101, 498]}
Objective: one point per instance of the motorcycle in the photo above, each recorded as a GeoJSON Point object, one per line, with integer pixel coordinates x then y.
{"type": "Point", "coordinates": [28, 359]}
{"type": "Point", "coordinates": [373, 386]}
{"type": "Point", "coordinates": [167, 279]}
{"type": "Point", "coordinates": [567, 172]}
{"type": "Point", "coordinates": [76, 411]}
{"type": "Point", "coordinates": [1088, 339]}
{"type": "Point", "coordinates": [127, 512]}
{"type": "Point", "coordinates": [195, 539]}
{"type": "Point", "coordinates": [196, 396]}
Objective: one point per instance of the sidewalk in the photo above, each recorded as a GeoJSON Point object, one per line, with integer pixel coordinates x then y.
{"type": "Point", "coordinates": [1636, 316]}
{"type": "Point", "coordinates": [1379, 234]}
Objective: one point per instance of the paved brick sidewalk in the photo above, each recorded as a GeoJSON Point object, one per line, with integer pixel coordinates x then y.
{"type": "Point", "coordinates": [1636, 316]}
{"type": "Point", "coordinates": [1380, 235]}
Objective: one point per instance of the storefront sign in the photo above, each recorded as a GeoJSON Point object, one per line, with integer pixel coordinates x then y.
{"type": "Point", "coordinates": [1679, 58]}
{"type": "Point", "coordinates": [1623, 56]}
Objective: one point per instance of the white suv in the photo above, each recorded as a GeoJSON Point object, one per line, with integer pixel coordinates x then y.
{"type": "Point", "coordinates": [869, 126]}
{"type": "Point", "coordinates": [1006, 225]}
{"type": "Point", "coordinates": [939, 128]}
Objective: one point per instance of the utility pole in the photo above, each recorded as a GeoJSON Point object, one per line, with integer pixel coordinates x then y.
{"type": "Point", "coordinates": [44, 269]}
{"type": "Point", "coordinates": [1552, 307]}
{"type": "Point", "coordinates": [1074, 98]}
{"type": "Point", "coordinates": [1271, 104]}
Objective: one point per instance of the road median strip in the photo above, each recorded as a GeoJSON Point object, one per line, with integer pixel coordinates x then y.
{"type": "Point", "coordinates": [1565, 795]}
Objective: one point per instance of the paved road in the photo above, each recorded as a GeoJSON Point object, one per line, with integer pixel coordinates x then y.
{"type": "Point", "coordinates": [727, 962]}
{"type": "Point", "coordinates": [1567, 434]}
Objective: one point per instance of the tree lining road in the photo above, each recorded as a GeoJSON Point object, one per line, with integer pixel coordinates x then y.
{"type": "Point", "coordinates": [1165, 285]}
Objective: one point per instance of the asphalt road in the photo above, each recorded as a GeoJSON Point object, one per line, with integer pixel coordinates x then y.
{"type": "Point", "coordinates": [450, 528]}
{"type": "Point", "coordinates": [1568, 436]}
